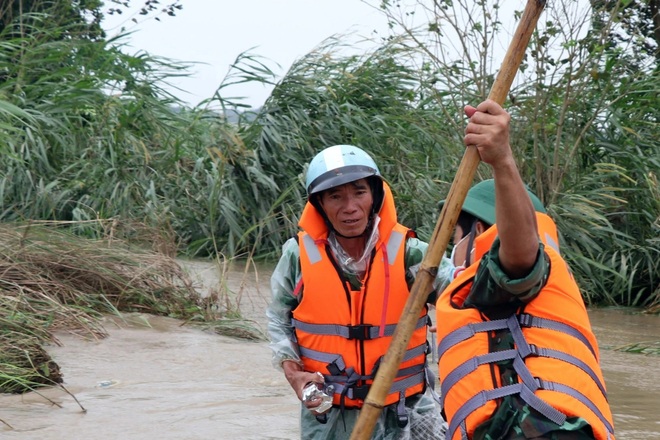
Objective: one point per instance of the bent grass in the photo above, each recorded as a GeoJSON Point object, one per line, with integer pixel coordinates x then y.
{"type": "Point", "coordinates": [643, 347]}
{"type": "Point", "coordinates": [53, 280]}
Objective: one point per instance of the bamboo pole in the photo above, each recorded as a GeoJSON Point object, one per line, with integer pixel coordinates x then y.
{"type": "Point", "coordinates": [444, 227]}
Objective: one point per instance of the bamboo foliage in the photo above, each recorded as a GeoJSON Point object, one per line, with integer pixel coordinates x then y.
{"type": "Point", "coordinates": [89, 132]}
{"type": "Point", "coordinates": [93, 144]}
{"type": "Point", "coordinates": [585, 125]}
{"type": "Point", "coordinates": [372, 101]}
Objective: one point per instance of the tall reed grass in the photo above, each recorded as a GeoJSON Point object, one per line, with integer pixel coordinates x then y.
{"type": "Point", "coordinates": [90, 133]}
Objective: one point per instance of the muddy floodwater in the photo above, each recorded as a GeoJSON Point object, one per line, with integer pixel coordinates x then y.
{"type": "Point", "coordinates": [154, 378]}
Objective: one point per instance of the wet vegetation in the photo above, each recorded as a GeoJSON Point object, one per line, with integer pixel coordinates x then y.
{"type": "Point", "coordinates": [644, 347]}
{"type": "Point", "coordinates": [55, 280]}
{"type": "Point", "coordinates": [92, 144]}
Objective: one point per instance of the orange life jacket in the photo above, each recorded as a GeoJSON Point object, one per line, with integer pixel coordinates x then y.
{"type": "Point", "coordinates": [556, 354]}
{"type": "Point", "coordinates": [343, 333]}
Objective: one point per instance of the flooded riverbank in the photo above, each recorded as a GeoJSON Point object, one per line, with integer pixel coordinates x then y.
{"type": "Point", "coordinates": [156, 378]}
{"type": "Point", "coordinates": [152, 378]}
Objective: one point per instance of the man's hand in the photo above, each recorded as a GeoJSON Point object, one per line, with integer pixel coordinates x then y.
{"type": "Point", "coordinates": [298, 379]}
{"type": "Point", "coordinates": [488, 130]}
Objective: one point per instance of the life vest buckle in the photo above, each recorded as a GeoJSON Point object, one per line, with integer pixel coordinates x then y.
{"type": "Point", "coordinates": [544, 384]}
{"type": "Point", "coordinates": [400, 409]}
{"type": "Point", "coordinates": [334, 369]}
{"type": "Point", "coordinates": [361, 332]}
{"type": "Point", "coordinates": [525, 320]}
{"type": "Point", "coordinates": [534, 350]}
{"type": "Point", "coordinates": [360, 392]}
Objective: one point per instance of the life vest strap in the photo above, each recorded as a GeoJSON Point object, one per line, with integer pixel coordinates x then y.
{"type": "Point", "coordinates": [524, 319]}
{"type": "Point", "coordinates": [481, 398]}
{"type": "Point", "coordinates": [467, 331]}
{"type": "Point", "coordinates": [349, 388]}
{"type": "Point", "coordinates": [401, 413]}
{"type": "Point", "coordinates": [335, 362]}
{"type": "Point", "coordinates": [464, 432]}
{"type": "Point", "coordinates": [522, 346]}
{"type": "Point", "coordinates": [414, 352]}
{"type": "Point", "coordinates": [469, 366]}
{"type": "Point", "coordinates": [472, 364]}
{"type": "Point", "coordinates": [526, 389]}
{"type": "Point", "coordinates": [337, 366]}
{"type": "Point", "coordinates": [554, 386]}
{"type": "Point", "coordinates": [527, 320]}
{"type": "Point", "coordinates": [361, 331]}
{"type": "Point", "coordinates": [430, 383]}
{"type": "Point", "coordinates": [560, 355]}
{"type": "Point", "coordinates": [529, 384]}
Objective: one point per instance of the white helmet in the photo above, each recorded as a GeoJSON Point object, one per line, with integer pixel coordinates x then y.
{"type": "Point", "coordinates": [338, 165]}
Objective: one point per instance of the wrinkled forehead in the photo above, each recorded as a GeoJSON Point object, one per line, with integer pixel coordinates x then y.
{"type": "Point", "coordinates": [356, 184]}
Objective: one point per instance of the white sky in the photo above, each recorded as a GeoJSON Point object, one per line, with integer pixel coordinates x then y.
{"type": "Point", "coordinates": [215, 32]}
{"type": "Point", "coordinates": [212, 33]}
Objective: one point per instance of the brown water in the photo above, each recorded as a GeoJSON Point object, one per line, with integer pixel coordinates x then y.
{"type": "Point", "coordinates": [155, 379]}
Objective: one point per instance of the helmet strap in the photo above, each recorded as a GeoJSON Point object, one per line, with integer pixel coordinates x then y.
{"type": "Point", "coordinates": [470, 245]}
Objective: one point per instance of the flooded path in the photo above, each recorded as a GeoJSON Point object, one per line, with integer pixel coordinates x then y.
{"type": "Point", "coordinates": [159, 382]}
{"type": "Point", "coordinates": [155, 379]}
{"type": "Point", "coordinates": [632, 380]}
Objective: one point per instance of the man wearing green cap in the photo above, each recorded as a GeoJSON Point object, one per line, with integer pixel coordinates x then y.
{"type": "Point", "coordinates": [517, 357]}
{"type": "Point", "coordinates": [477, 215]}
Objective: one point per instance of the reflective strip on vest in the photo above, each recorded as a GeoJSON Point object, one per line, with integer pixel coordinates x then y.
{"type": "Point", "coordinates": [363, 332]}
{"type": "Point", "coordinates": [551, 242]}
{"type": "Point", "coordinates": [313, 252]}
{"type": "Point", "coordinates": [338, 360]}
{"type": "Point", "coordinates": [393, 245]}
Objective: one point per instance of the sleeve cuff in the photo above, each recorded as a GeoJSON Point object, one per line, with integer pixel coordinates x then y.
{"type": "Point", "coordinates": [522, 288]}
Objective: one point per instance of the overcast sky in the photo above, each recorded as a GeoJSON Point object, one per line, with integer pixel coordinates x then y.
{"type": "Point", "coordinates": [215, 32]}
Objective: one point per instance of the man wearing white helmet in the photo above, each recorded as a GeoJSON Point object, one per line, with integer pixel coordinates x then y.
{"type": "Point", "coordinates": [338, 292]}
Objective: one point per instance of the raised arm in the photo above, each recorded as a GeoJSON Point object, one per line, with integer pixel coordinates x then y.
{"type": "Point", "coordinates": [488, 130]}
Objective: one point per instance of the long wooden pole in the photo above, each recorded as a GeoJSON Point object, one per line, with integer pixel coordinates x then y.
{"type": "Point", "coordinates": [444, 227]}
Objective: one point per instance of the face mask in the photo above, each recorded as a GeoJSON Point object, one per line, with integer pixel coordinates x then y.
{"type": "Point", "coordinates": [464, 247]}
{"type": "Point", "coordinates": [462, 244]}
{"type": "Point", "coordinates": [348, 263]}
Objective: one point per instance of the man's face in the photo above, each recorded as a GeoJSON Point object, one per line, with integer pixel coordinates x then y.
{"type": "Point", "coordinates": [462, 249]}
{"type": "Point", "coordinates": [348, 207]}
{"type": "Point", "coordinates": [459, 253]}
